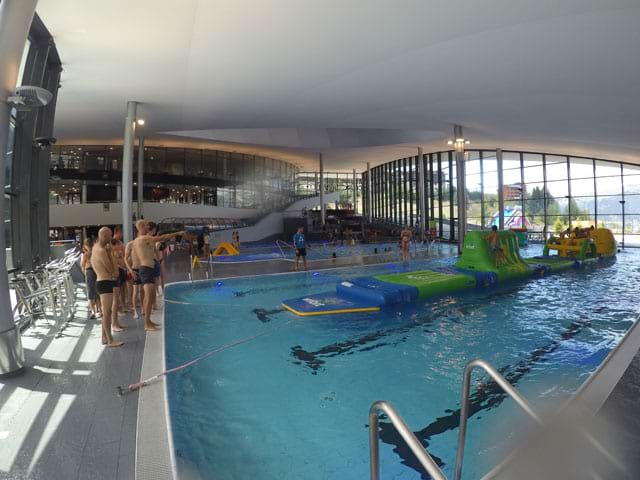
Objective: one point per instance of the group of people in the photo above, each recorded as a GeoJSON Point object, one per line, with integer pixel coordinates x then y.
{"type": "Point", "coordinates": [577, 232]}
{"type": "Point", "coordinates": [120, 276]}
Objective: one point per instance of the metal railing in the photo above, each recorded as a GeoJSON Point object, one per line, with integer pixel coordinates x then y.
{"type": "Point", "coordinates": [279, 244]}
{"type": "Point", "coordinates": [427, 462]}
{"type": "Point", "coordinates": [414, 444]}
{"type": "Point", "coordinates": [464, 404]}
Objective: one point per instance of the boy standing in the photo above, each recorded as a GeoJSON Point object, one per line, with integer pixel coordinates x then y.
{"type": "Point", "coordinates": [300, 245]}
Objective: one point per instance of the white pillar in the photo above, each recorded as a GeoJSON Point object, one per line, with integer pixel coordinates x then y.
{"type": "Point", "coordinates": [355, 194]}
{"type": "Point", "coordinates": [118, 191]}
{"type": "Point", "coordinates": [15, 20]}
{"type": "Point", "coordinates": [83, 195]}
{"type": "Point", "coordinates": [322, 209]}
{"type": "Point", "coordinates": [127, 171]}
{"type": "Point", "coordinates": [500, 189]}
{"type": "Point", "coordinates": [369, 194]}
{"type": "Point", "coordinates": [422, 196]}
{"type": "Point", "coordinates": [140, 177]}
{"type": "Point", "coordinates": [461, 185]}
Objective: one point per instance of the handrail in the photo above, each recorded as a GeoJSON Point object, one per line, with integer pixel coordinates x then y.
{"type": "Point", "coordinates": [464, 404]}
{"type": "Point", "coordinates": [278, 242]}
{"type": "Point", "coordinates": [407, 435]}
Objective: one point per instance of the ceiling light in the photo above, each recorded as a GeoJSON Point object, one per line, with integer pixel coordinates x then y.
{"type": "Point", "coordinates": [141, 121]}
{"type": "Point", "coordinates": [467, 142]}
{"type": "Point", "coordinates": [106, 184]}
{"type": "Point", "coordinates": [449, 142]}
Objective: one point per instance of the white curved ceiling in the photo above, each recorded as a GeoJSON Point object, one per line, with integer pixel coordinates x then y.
{"type": "Point", "coordinates": [358, 79]}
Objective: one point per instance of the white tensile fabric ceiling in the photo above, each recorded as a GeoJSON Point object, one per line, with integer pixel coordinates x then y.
{"type": "Point", "coordinates": [359, 80]}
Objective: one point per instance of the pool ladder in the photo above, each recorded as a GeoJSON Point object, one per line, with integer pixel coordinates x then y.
{"type": "Point", "coordinates": [427, 462]}
{"type": "Point", "coordinates": [279, 244]}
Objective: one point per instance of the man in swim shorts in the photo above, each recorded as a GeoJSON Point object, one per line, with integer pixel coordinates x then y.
{"type": "Point", "coordinates": [117, 254]}
{"type": "Point", "coordinates": [133, 265]}
{"type": "Point", "coordinates": [106, 270]}
{"type": "Point", "coordinates": [144, 248]}
{"type": "Point", "coordinates": [300, 245]}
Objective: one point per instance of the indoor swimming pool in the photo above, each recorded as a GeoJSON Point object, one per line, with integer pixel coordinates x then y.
{"type": "Point", "coordinates": [315, 251]}
{"type": "Point", "coordinates": [291, 400]}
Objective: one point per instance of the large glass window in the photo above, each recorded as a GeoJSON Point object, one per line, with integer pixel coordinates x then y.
{"type": "Point", "coordinates": [546, 193]}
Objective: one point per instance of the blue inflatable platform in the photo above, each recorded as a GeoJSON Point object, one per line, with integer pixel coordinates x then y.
{"type": "Point", "coordinates": [328, 303]}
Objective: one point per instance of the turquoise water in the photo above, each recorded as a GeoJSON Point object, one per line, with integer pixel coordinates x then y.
{"type": "Point", "coordinates": [292, 402]}
{"type": "Point", "coordinates": [317, 251]}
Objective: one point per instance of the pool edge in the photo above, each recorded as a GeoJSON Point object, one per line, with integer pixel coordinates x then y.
{"type": "Point", "coordinates": [155, 453]}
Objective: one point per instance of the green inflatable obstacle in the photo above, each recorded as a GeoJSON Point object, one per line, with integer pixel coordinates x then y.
{"type": "Point", "coordinates": [477, 256]}
{"type": "Point", "coordinates": [479, 266]}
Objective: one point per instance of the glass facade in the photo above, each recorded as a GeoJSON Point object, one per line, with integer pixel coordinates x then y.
{"type": "Point", "coordinates": [92, 173]}
{"type": "Point", "coordinates": [348, 184]}
{"type": "Point", "coordinates": [546, 193]}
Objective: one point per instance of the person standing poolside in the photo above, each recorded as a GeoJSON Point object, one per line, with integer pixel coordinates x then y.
{"type": "Point", "coordinates": [153, 231]}
{"type": "Point", "coordinates": [125, 283]}
{"type": "Point", "coordinates": [132, 262]}
{"type": "Point", "coordinates": [117, 253]}
{"type": "Point", "coordinates": [144, 248]}
{"type": "Point", "coordinates": [300, 245]}
{"type": "Point", "coordinates": [494, 244]}
{"type": "Point", "coordinates": [106, 270]}
{"type": "Point", "coordinates": [405, 244]}
{"type": "Point", "coordinates": [90, 278]}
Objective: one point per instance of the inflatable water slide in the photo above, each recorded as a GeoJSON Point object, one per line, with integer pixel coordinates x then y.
{"type": "Point", "coordinates": [478, 267]}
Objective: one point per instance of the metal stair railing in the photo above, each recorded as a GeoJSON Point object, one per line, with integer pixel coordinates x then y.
{"type": "Point", "coordinates": [279, 244]}
{"type": "Point", "coordinates": [464, 404]}
{"type": "Point", "coordinates": [414, 444]}
{"type": "Point", "coordinates": [407, 435]}
{"type": "Point", "coordinates": [421, 453]}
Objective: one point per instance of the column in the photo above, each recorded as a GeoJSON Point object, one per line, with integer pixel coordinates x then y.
{"type": "Point", "coordinates": [15, 21]}
{"type": "Point", "coordinates": [127, 171]}
{"type": "Point", "coordinates": [369, 194]}
{"type": "Point", "coordinates": [500, 188]}
{"type": "Point", "coordinates": [355, 193]}
{"type": "Point", "coordinates": [322, 211]}
{"type": "Point", "coordinates": [141, 177]}
{"type": "Point", "coordinates": [422, 197]}
{"type": "Point", "coordinates": [460, 187]}
{"type": "Point", "coordinates": [83, 194]}
{"type": "Point", "coordinates": [118, 192]}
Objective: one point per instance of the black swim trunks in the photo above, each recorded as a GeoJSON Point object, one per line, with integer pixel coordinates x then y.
{"type": "Point", "coordinates": [91, 276]}
{"type": "Point", "coordinates": [136, 277]}
{"type": "Point", "coordinates": [104, 286]}
{"type": "Point", "coordinates": [146, 275]}
{"type": "Point", "coordinates": [122, 278]}
{"type": "Point", "coordinates": [301, 252]}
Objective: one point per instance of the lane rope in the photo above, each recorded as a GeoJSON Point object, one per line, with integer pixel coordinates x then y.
{"type": "Point", "coordinates": [124, 389]}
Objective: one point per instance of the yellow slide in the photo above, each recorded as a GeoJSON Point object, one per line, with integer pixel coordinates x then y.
{"type": "Point", "coordinates": [225, 248]}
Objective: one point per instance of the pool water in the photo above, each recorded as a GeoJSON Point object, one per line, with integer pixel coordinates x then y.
{"type": "Point", "coordinates": [292, 401]}
{"type": "Point", "coordinates": [317, 251]}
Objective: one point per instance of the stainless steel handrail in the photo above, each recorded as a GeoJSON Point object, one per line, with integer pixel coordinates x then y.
{"type": "Point", "coordinates": [464, 404]}
{"type": "Point", "coordinates": [278, 242]}
{"type": "Point", "coordinates": [407, 435]}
